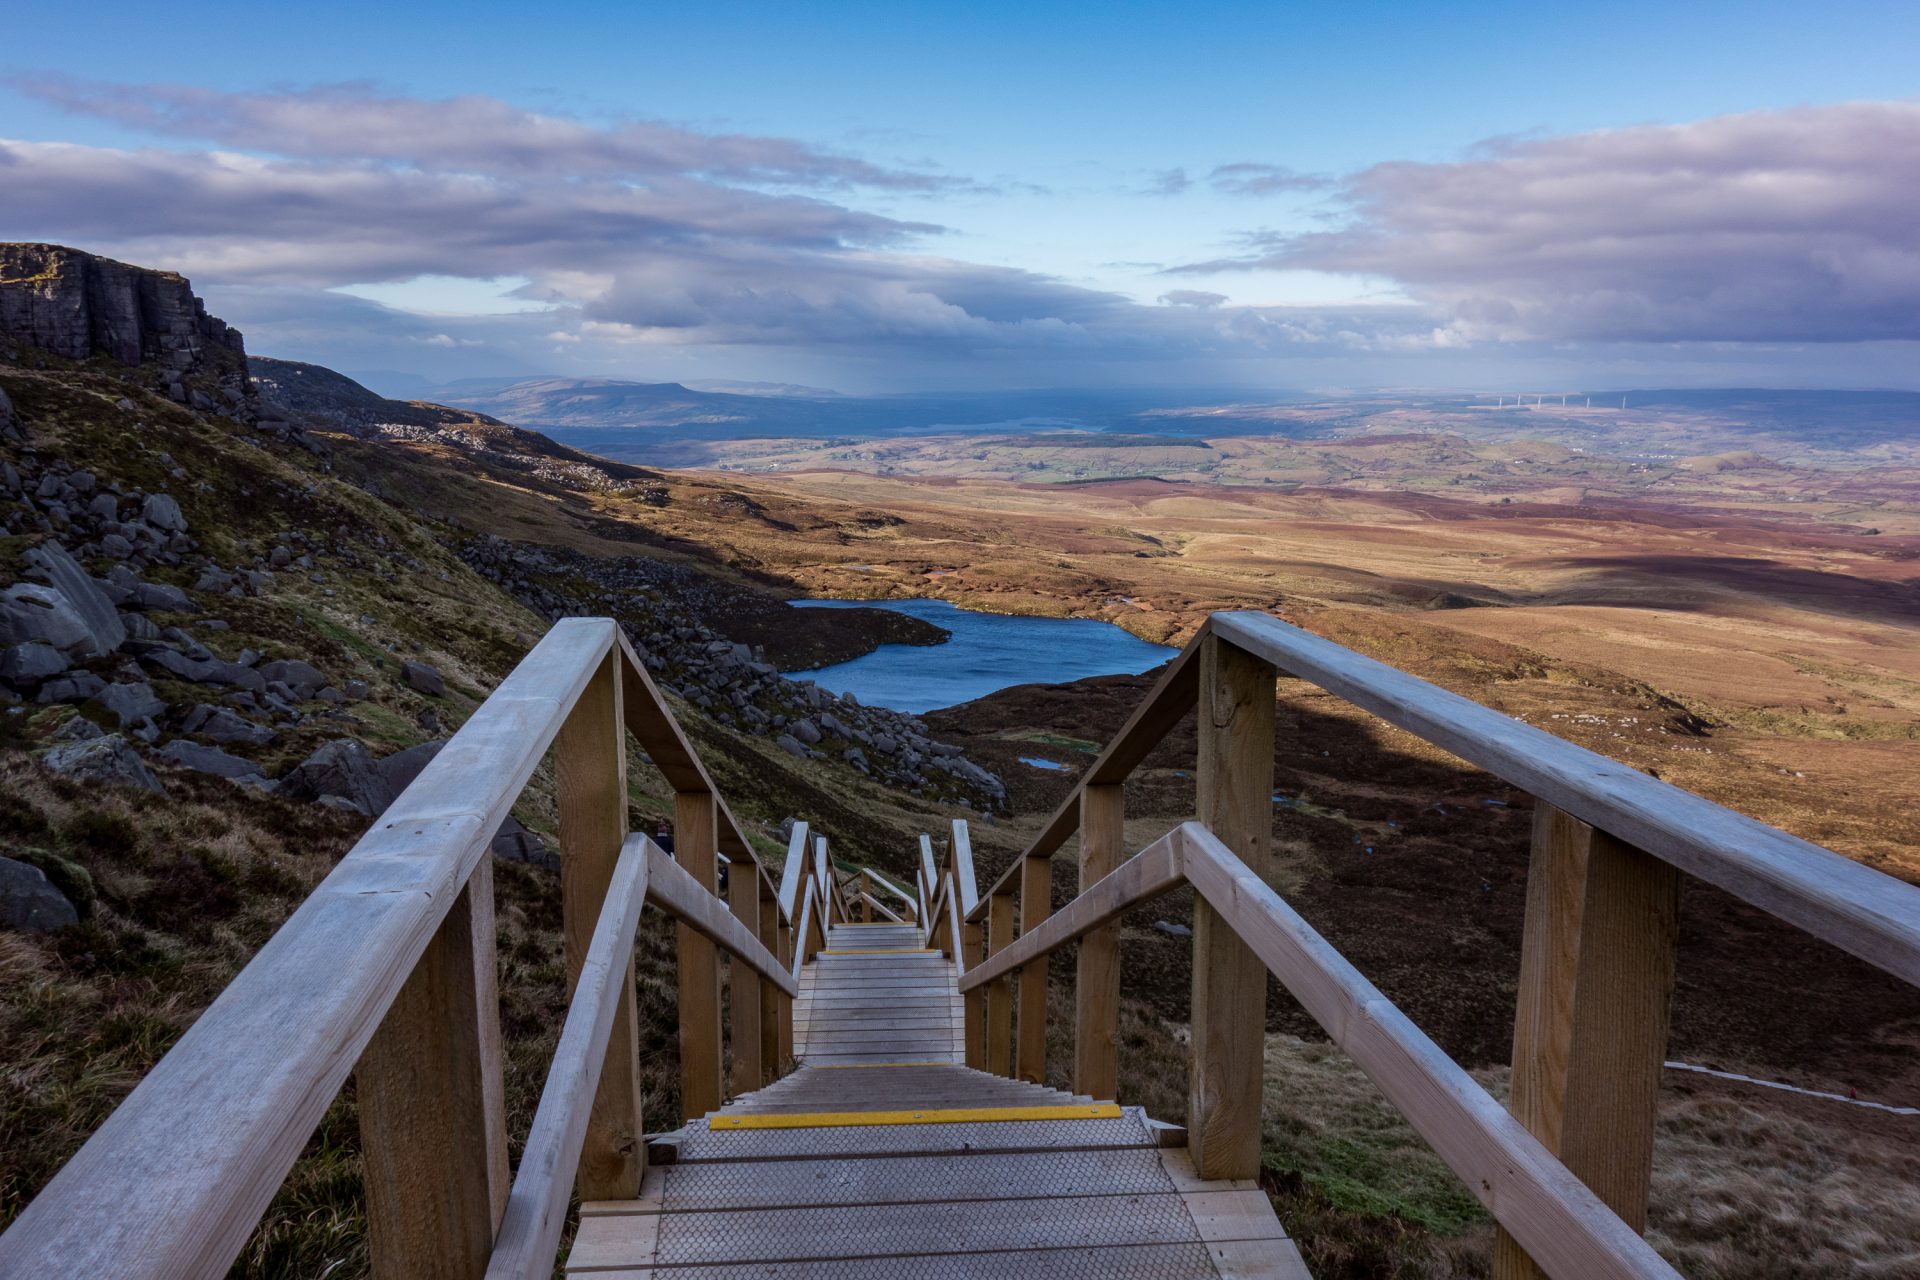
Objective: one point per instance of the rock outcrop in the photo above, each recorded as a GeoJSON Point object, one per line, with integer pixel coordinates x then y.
{"type": "Point", "coordinates": [79, 306]}
{"type": "Point", "coordinates": [30, 902]}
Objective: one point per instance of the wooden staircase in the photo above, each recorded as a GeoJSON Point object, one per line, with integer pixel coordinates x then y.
{"type": "Point", "coordinates": [884, 1047]}
{"type": "Point", "coordinates": [882, 1157]}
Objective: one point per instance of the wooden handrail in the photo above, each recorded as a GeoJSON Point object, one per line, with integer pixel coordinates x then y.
{"type": "Point", "coordinates": [954, 927]}
{"type": "Point", "coordinates": [181, 1171]}
{"type": "Point", "coordinates": [1597, 954]}
{"type": "Point", "coordinates": [889, 886]}
{"type": "Point", "coordinates": [878, 906]}
{"type": "Point", "coordinates": [1852, 906]}
{"type": "Point", "coordinates": [1146, 875]}
{"type": "Point", "coordinates": [800, 932]}
{"type": "Point", "coordinates": [671, 888]}
{"type": "Point", "coordinates": [929, 881]}
{"type": "Point", "coordinates": [793, 872]}
{"type": "Point", "coordinates": [1170, 699]}
{"type": "Point", "coordinates": [389, 963]}
{"type": "Point", "coordinates": [543, 1185]}
{"type": "Point", "coordinates": [960, 862]}
{"type": "Point", "coordinates": [1553, 1215]}
{"type": "Point", "coordinates": [666, 744]}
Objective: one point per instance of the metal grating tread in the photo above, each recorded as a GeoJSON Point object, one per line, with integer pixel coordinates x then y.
{"type": "Point", "coordinates": [784, 1183]}
{"type": "Point", "coordinates": [1158, 1262]}
{"type": "Point", "coordinates": [852, 1231]}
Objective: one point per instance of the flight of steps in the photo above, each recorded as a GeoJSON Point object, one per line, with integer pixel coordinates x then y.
{"type": "Point", "coordinates": [874, 995]}
{"type": "Point", "coordinates": [883, 1157]}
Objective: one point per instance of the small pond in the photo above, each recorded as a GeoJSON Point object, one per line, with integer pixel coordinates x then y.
{"type": "Point", "coordinates": [988, 652]}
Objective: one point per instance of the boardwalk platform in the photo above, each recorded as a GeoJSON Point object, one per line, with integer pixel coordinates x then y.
{"type": "Point", "coordinates": [882, 1157]}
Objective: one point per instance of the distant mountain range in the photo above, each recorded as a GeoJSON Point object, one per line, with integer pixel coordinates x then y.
{"type": "Point", "coordinates": [673, 423]}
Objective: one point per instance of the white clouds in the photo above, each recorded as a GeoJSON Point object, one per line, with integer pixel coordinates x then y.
{"type": "Point", "coordinates": [1249, 179]}
{"type": "Point", "coordinates": [642, 237]}
{"type": "Point", "coordinates": [473, 133]}
{"type": "Point", "coordinates": [1787, 226]}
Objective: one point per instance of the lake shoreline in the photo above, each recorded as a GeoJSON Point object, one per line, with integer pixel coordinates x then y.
{"type": "Point", "coordinates": [984, 653]}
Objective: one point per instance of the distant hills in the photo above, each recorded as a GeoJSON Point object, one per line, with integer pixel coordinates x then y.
{"type": "Point", "coordinates": [616, 417]}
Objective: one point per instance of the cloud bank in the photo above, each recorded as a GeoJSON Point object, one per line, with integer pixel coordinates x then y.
{"type": "Point", "coordinates": [1782, 226]}
{"type": "Point", "coordinates": [645, 238]}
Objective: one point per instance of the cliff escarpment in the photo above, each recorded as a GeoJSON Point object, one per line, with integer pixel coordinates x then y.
{"type": "Point", "coordinates": [79, 306]}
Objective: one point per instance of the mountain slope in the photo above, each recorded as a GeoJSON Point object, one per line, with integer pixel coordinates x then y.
{"type": "Point", "coordinates": [228, 637]}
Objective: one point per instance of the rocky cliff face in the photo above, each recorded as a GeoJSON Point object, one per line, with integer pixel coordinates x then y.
{"type": "Point", "coordinates": [80, 306]}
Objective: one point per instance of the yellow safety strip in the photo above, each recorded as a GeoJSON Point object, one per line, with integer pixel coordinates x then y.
{"type": "Point", "coordinates": [956, 1115]}
{"type": "Point", "coordinates": [903, 951]}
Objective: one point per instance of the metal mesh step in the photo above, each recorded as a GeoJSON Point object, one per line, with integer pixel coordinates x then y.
{"type": "Point", "coordinates": [1153, 1262]}
{"type": "Point", "coordinates": [767, 1184]}
{"type": "Point", "coordinates": [852, 1231]}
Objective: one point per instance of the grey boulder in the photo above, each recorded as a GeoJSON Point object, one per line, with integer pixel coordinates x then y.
{"type": "Point", "coordinates": [75, 686]}
{"type": "Point", "coordinates": [203, 759]}
{"type": "Point", "coordinates": [110, 760]}
{"type": "Point", "coordinates": [163, 595]}
{"type": "Point", "coordinates": [29, 664]}
{"type": "Point", "coordinates": [303, 678]}
{"type": "Point", "coordinates": [30, 613]}
{"type": "Point", "coordinates": [423, 678]}
{"type": "Point", "coordinates": [217, 724]}
{"type": "Point", "coordinates": [162, 512]}
{"type": "Point", "coordinates": [93, 605]}
{"type": "Point", "coordinates": [130, 703]}
{"type": "Point", "coordinates": [29, 902]}
{"type": "Point", "coordinates": [343, 772]}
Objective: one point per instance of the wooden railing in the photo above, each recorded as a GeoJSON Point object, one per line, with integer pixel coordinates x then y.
{"type": "Point", "coordinates": [1565, 1168]}
{"type": "Point", "coordinates": [387, 971]}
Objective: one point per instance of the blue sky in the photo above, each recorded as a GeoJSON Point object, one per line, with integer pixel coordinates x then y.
{"type": "Point", "coordinates": [1051, 195]}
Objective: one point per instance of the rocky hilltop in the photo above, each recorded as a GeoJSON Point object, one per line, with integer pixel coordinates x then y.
{"type": "Point", "coordinates": [79, 306]}
{"type": "Point", "coordinates": [297, 592]}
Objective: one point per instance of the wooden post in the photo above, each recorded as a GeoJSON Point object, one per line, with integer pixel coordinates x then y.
{"type": "Point", "coordinates": [771, 997]}
{"type": "Point", "coordinates": [1096, 1018]}
{"type": "Point", "coordinates": [866, 892]}
{"type": "Point", "coordinates": [784, 1054]}
{"type": "Point", "coordinates": [974, 1003]}
{"type": "Point", "coordinates": [1000, 990]}
{"type": "Point", "coordinates": [744, 994]}
{"type": "Point", "coordinates": [590, 784]}
{"type": "Point", "coordinates": [1590, 1029]}
{"type": "Point", "coordinates": [1234, 794]}
{"type": "Point", "coordinates": [1036, 904]}
{"type": "Point", "coordinates": [433, 1124]}
{"type": "Point", "coordinates": [696, 846]}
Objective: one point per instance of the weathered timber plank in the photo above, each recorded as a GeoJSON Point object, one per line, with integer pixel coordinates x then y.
{"type": "Point", "coordinates": [590, 786]}
{"type": "Point", "coordinates": [1036, 904]}
{"type": "Point", "coordinates": [1149, 873]}
{"type": "Point", "coordinates": [1854, 907]}
{"type": "Point", "coordinates": [434, 1176]}
{"type": "Point", "coordinates": [1096, 1017]}
{"type": "Point", "coordinates": [1552, 1214]}
{"type": "Point", "coordinates": [1590, 1031]}
{"type": "Point", "coordinates": [1163, 707]}
{"type": "Point", "coordinates": [696, 850]}
{"type": "Point", "coordinates": [1233, 798]}
{"type": "Point", "coordinates": [179, 1174]}
{"type": "Point", "coordinates": [536, 1213]}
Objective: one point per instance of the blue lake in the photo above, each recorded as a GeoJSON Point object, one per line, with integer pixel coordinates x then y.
{"type": "Point", "coordinates": [988, 651]}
